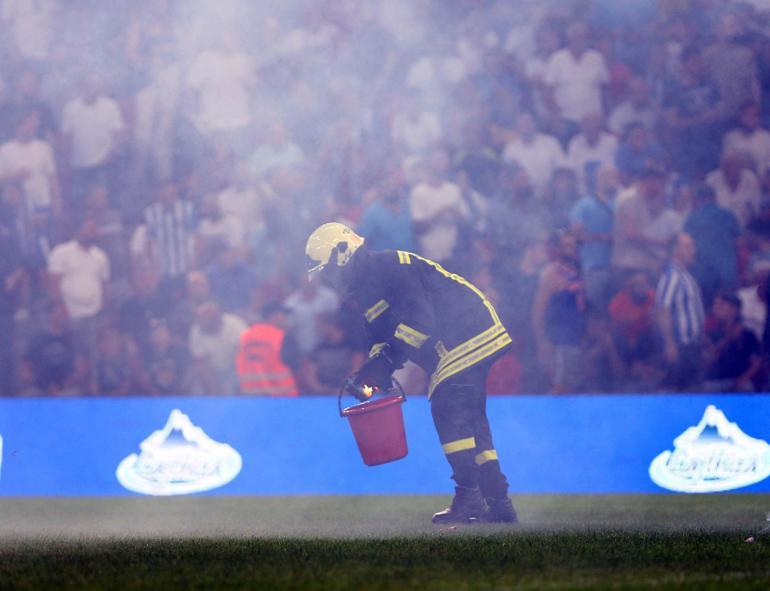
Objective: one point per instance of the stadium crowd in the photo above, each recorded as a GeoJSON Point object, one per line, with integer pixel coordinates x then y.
{"type": "Point", "coordinates": [601, 170]}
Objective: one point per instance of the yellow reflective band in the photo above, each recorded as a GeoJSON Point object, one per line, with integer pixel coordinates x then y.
{"type": "Point", "coordinates": [440, 349]}
{"type": "Point", "coordinates": [460, 445]}
{"type": "Point", "coordinates": [404, 257]}
{"type": "Point", "coordinates": [410, 336]}
{"type": "Point", "coordinates": [467, 361]}
{"type": "Point", "coordinates": [461, 281]}
{"type": "Point", "coordinates": [376, 348]}
{"type": "Point", "coordinates": [455, 353]}
{"type": "Point", "coordinates": [374, 312]}
{"type": "Point", "coordinates": [486, 456]}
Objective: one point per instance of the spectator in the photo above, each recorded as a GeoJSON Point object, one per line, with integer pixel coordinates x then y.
{"type": "Point", "coordinates": [32, 26]}
{"type": "Point", "coordinates": [750, 139]}
{"type": "Point", "coordinates": [170, 224]}
{"type": "Point", "coordinates": [558, 316]}
{"type": "Point", "coordinates": [247, 201]}
{"type": "Point", "coordinates": [638, 108]}
{"type": "Point", "coordinates": [592, 145]}
{"type": "Point", "coordinates": [79, 272]}
{"type": "Point", "coordinates": [222, 81]}
{"type": "Point", "coordinates": [591, 222]}
{"type": "Point", "coordinates": [736, 187]}
{"type": "Point", "coordinates": [27, 97]}
{"type": "Point", "coordinates": [438, 210]}
{"type": "Point", "coordinates": [643, 226]}
{"type": "Point", "coordinates": [387, 222]}
{"type": "Point", "coordinates": [265, 354]}
{"type": "Point", "coordinates": [560, 197]}
{"type": "Point", "coordinates": [305, 305]}
{"type": "Point", "coordinates": [110, 235]}
{"type": "Point", "coordinates": [29, 161]}
{"type": "Point", "coordinates": [732, 66]}
{"type": "Point", "coordinates": [414, 130]}
{"type": "Point", "coordinates": [547, 42]}
{"type": "Point", "coordinates": [680, 317]}
{"type": "Point", "coordinates": [277, 152]}
{"type": "Point", "coordinates": [11, 280]}
{"type": "Point", "coordinates": [157, 106]}
{"type": "Point", "coordinates": [602, 367]}
{"type": "Point", "coordinates": [166, 362]}
{"type": "Point", "coordinates": [715, 231]}
{"type": "Point", "coordinates": [92, 126]}
{"type": "Point", "coordinates": [214, 341]}
{"type": "Point", "coordinates": [634, 330]}
{"type": "Point", "coordinates": [216, 233]}
{"type": "Point", "coordinates": [732, 351]}
{"type": "Point", "coordinates": [333, 359]}
{"type": "Point", "coordinates": [576, 77]}
{"type": "Point", "coordinates": [516, 218]}
{"type": "Point", "coordinates": [692, 118]}
{"type": "Point", "coordinates": [538, 153]}
{"type": "Point", "coordinates": [233, 281]}
{"type": "Point", "coordinates": [54, 362]}
{"type": "Point", "coordinates": [636, 152]}
{"type": "Point", "coordinates": [118, 370]}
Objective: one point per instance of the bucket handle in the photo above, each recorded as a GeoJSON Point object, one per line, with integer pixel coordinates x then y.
{"type": "Point", "coordinates": [397, 387]}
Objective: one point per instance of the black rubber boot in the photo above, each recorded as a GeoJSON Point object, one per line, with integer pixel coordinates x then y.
{"type": "Point", "coordinates": [500, 511]}
{"type": "Point", "coordinates": [468, 506]}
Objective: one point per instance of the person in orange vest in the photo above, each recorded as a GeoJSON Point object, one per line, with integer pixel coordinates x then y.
{"type": "Point", "coordinates": [261, 360]}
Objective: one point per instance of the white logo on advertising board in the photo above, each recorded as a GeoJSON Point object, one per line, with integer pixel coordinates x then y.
{"type": "Point", "coordinates": [179, 459]}
{"type": "Point", "coordinates": [713, 456]}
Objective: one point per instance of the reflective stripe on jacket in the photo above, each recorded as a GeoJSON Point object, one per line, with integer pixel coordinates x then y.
{"type": "Point", "coordinates": [260, 368]}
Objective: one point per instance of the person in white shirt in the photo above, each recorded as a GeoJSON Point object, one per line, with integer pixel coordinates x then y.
{"type": "Point", "coordinates": [737, 188]}
{"type": "Point", "coordinates": [537, 153]}
{"type": "Point", "coordinates": [637, 108]}
{"type": "Point", "coordinates": [438, 210]}
{"type": "Point", "coordinates": [79, 271]}
{"type": "Point", "coordinates": [415, 130]}
{"type": "Point", "coordinates": [306, 306]}
{"type": "Point", "coordinates": [92, 126]}
{"type": "Point", "coordinates": [750, 138]}
{"type": "Point", "coordinates": [31, 23]}
{"type": "Point", "coordinates": [156, 110]}
{"type": "Point", "coordinates": [213, 343]}
{"type": "Point", "coordinates": [547, 41]}
{"type": "Point", "coordinates": [576, 77]}
{"type": "Point", "coordinates": [591, 145]}
{"type": "Point", "coordinates": [222, 81]}
{"type": "Point", "coordinates": [30, 162]}
{"type": "Point", "coordinates": [216, 232]}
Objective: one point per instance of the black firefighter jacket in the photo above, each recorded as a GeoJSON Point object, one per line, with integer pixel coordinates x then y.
{"type": "Point", "coordinates": [426, 314]}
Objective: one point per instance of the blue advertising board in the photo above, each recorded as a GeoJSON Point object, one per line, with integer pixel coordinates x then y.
{"type": "Point", "coordinates": [256, 446]}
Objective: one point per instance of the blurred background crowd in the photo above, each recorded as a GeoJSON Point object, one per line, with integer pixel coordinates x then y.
{"type": "Point", "coordinates": [600, 169]}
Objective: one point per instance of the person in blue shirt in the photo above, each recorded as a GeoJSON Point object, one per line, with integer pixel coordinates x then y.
{"type": "Point", "coordinates": [715, 231]}
{"type": "Point", "coordinates": [591, 221]}
{"type": "Point", "coordinates": [387, 222]}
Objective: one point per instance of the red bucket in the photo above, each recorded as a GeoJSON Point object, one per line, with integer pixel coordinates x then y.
{"type": "Point", "coordinates": [378, 426]}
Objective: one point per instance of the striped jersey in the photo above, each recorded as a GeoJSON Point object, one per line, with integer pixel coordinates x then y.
{"type": "Point", "coordinates": [428, 315]}
{"type": "Point", "coordinates": [171, 229]}
{"type": "Point", "coordinates": [679, 293]}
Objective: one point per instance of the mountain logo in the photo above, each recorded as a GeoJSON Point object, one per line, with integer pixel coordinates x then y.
{"type": "Point", "coordinates": [180, 459]}
{"type": "Point", "coordinates": [713, 456]}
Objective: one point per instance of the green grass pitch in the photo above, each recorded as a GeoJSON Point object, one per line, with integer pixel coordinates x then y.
{"type": "Point", "coordinates": [382, 543]}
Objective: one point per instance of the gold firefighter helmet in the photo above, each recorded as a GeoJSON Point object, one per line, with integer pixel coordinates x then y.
{"type": "Point", "coordinates": [332, 243]}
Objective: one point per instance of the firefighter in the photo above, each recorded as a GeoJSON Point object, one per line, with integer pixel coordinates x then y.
{"type": "Point", "coordinates": [415, 310]}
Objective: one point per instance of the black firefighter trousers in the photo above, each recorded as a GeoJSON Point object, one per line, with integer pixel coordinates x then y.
{"type": "Point", "coordinates": [459, 409]}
